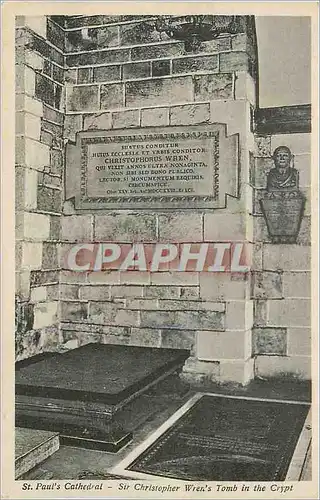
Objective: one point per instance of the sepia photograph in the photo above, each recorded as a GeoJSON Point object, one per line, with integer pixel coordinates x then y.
{"type": "Point", "coordinates": [165, 199]}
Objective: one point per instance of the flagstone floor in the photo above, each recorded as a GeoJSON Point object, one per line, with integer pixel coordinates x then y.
{"type": "Point", "coordinates": [69, 462]}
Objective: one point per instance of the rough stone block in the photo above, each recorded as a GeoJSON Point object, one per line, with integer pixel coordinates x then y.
{"type": "Point", "coordinates": [125, 228]}
{"type": "Point", "coordinates": [69, 292]}
{"type": "Point", "coordinates": [38, 294]}
{"type": "Point", "coordinates": [142, 304]}
{"type": "Point", "coordinates": [190, 292]}
{"type": "Point", "coordinates": [190, 305]}
{"type": "Point", "coordinates": [94, 293]}
{"type": "Point", "coordinates": [195, 63]}
{"type": "Point", "coordinates": [213, 87]}
{"type": "Point", "coordinates": [134, 278]}
{"type": "Point", "coordinates": [263, 146]}
{"type": "Point", "coordinates": [138, 33]}
{"type": "Point", "coordinates": [38, 278]}
{"type": "Point", "coordinates": [82, 98]}
{"type": "Point", "coordinates": [154, 117]}
{"type": "Point", "coordinates": [172, 49]}
{"type": "Point", "coordinates": [125, 119]}
{"type": "Point", "coordinates": [74, 311]}
{"type": "Point", "coordinates": [245, 87]}
{"type": "Point", "coordinates": [127, 318]}
{"type": "Point", "coordinates": [217, 45]}
{"type": "Point", "coordinates": [68, 277]}
{"type": "Point", "coordinates": [222, 286]}
{"type": "Point", "coordinates": [106, 277]}
{"type": "Point", "coordinates": [126, 291]}
{"type": "Point", "coordinates": [33, 60]}
{"type": "Point", "coordinates": [239, 42]}
{"type": "Point", "coordinates": [38, 24]}
{"type": "Point", "coordinates": [237, 372]}
{"type": "Point", "coordinates": [22, 284]}
{"type": "Point", "coordinates": [55, 227]}
{"type": "Point", "coordinates": [158, 319]}
{"type": "Point", "coordinates": [31, 255]}
{"type": "Point", "coordinates": [159, 91]}
{"type": "Point", "coordinates": [297, 285]}
{"type": "Point", "coordinates": [233, 61]}
{"type": "Point", "coordinates": [26, 188]}
{"type": "Point", "coordinates": [85, 75]}
{"type": "Point", "coordinates": [269, 341]}
{"type": "Point", "coordinates": [256, 264]}
{"type": "Point", "coordinates": [106, 73]}
{"type": "Point", "coordinates": [175, 278]}
{"type": "Point", "coordinates": [281, 366]}
{"type": "Point", "coordinates": [28, 104]}
{"type": "Point", "coordinates": [174, 339]}
{"type": "Point", "coordinates": [45, 89]}
{"type": "Point", "coordinates": [25, 80]}
{"type": "Point", "coordinates": [49, 256]}
{"type": "Point", "coordinates": [267, 285]}
{"type": "Point", "coordinates": [207, 368]}
{"type": "Point", "coordinates": [113, 339]}
{"type": "Point", "coordinates": [95, 38]}
{"type": "Point", "coordinates": [72, 125]}
{"type": "Point", "coordinates": [189, 114]}
{"type": "Point", "coordinates": [76, 228]}
{"type": "Point", "coordinates": [162, 292]}
{"type": "Point", "coordinates": [56, 162]}
{"type": "Point", "coordinates": [58, 73]}
{"type": "Point", "coordinates": [214, 346]}
{"type": "Point", "coordinates": [28, 125]}
{"type": "Point", "coordinates": [132, 71]}
{"type": "Point", "coordinates": [49, 200]}
{"type": "Point", "coordinates": [45, 314]}
{"type": "Point", "coordinates": [299, 341]}
{"type": "Point", "coordinates": [277, 257]}
{"type": "Point", "coordinates": [161, 68]}
{"type": "Point", "coordinates": [180, 227]}
{"type": "Point", "coordinates": [98, 57]}
{"type": "Point", "coordinates": [70, 75]}
{"type": "Point", "coordinates": [36, 155]}
{"type": "Point", "coordinates": [102, 312]}
{"type": "Point", "coordinates": [289, 312]}
{"type": "Point", "coordinates": [239, 315]}
{"type": "Point", "coordinates": [101, 121]}
{"type": "Point", "coordinates": [112, 96]}
{"type": "Point", "coordinates": [225, 227]}
{"type": "Point", "coordinates": [53, 292]}
{"type": "Point", "coordinates": [200, 320]}
{"type": "Point", "coordinates": [145, 337]}
{"type": "Point", "coordinates": [36, 226]}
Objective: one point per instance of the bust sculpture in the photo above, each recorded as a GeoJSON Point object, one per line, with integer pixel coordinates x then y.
{"type": "Point", "coordinates": [283, 177]}
{"type": "Point", "coordinates": [283, 204]}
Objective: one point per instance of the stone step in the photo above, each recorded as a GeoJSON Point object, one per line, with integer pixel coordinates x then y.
{"type": "Point", "coordinates": [32, 447]}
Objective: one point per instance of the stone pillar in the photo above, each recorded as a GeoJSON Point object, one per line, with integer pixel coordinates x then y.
{"type": "Point", "coordinates": [39, 163]}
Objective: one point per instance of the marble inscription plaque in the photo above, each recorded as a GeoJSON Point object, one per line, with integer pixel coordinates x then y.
{"type": "Point", "coordinates": [172, 167]}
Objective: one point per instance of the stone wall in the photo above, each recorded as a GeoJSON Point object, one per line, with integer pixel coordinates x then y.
{"type": "Point", "coordinates": [118, 72]}
{"type": "Point", "coordinates": [123, 75]}
{"type": "Point", "coordinates": [281, 286]}
{"type": "Point", "coordinates": [39, 172]}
